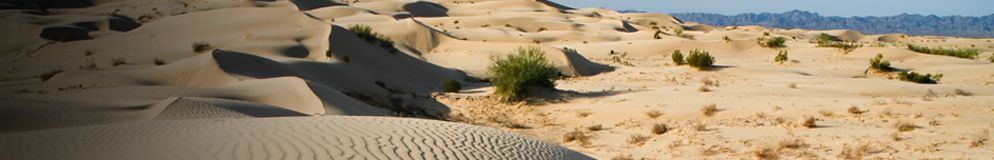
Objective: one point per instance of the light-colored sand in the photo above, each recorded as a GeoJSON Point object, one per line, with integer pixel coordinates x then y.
{"type": "Point", "coordinates": [281, 138]}
{"type": "Point", "coordinates": [134, 72]}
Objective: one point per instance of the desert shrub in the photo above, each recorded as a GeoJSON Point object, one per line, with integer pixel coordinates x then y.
{"type": "Point", "coordinates": [808, 122]}
{"type": "Point", "coordinates": [451, 86]}
{"type": "Point", "coordinates": [620, 58]}
{"type": "Point", "coordinates": [824, 37]}
{"type": "Point", "coordinates": [657, 35]}
{"type": "Point", "coordinates": [825, 40]}
{"type": "Point", "coordinates": [781, 57]}
{"type": "Point", "coordinates": [677, 57]}
{"type": "Point", "coordinates": [653, 114]}
{"type": "Point", "coordinates": [879, 64]}
{"type": "Point", "coordinates": [660, 128]}
{"type": "Point", "coordinates": [709, 110]}
{"type": "Point", "coordinates": [726, 39]}
{"type": "Point", "coordinates": [577, 136]}
{"type": "Point", "coordinates": [526, 67]}
{"type": "Point", "coordinates": [919, 78]}
{"type": "Point", "coordinates": [200, 47]}
{"type": "Point", "coordinates": [904, 126]}
{"type": "Point", "coordinates": [117, 61]}
{"type": "Point", "coordinates": [637, 140]}
{"type": "Point", "coordinates": [961, 53]}
{"type": "Point", "coordinates": [700, 59]}
{"type": "Point", "coordinates": [777, 42]}
{"type": "Point", "coordinates": [159, 62]}
{"type": "Point", "coordinates": [991, 58]}
{"type": "Point", "coordinates": [370, 36]}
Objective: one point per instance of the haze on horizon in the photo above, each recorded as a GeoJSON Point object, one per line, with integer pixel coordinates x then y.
{"type": "Point", "coordinates": [843, 8]}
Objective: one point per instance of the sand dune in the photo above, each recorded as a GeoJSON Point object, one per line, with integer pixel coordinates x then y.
{"type": "Point", "coordinates": [198, 79]}
{"type": "Point", "coordinates": [284, 138]}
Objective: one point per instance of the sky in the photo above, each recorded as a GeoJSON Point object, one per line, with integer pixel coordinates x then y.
{"type": "Point", "coordinates": [844, 8]}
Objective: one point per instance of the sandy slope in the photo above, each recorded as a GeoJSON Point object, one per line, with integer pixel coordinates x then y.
{"type": "Point", "coordinates": [130, 67]}
{"type": "Point", "coordinates": [282, 138]}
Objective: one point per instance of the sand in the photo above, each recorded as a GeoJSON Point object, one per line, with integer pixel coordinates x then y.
{"type": "Point", "coordinates": [92, 79]}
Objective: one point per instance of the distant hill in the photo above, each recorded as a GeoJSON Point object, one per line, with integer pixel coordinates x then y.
{"type": "Point", "coordinates": [914, 24]}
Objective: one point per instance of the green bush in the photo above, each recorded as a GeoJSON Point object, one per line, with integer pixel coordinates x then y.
{"type": "Point", "coordinates": [513, 74]}
{"type": "Point", "coordinates": [845, 47]}
{"type": "Point", "coordinates": [677, 57]}
{"type": "Point", "coordinates": [824, 37]}
{"type": "Point", "coordinates": [961, 53]}
{"type": "Point", "coordinates": [777, 42]}
{"type": "Point", "coordinates": [367, 34]}
{"type": "Point", "coordinates": [700, 59]}
{"type": "Point", "coordinates": [781, 57]}
{"type": "Point", "coordinates": [879, 64]}
{"type": "Point", "coordinates": [451, 86]}
{"type": "Point", "coordinates": [919, 78]}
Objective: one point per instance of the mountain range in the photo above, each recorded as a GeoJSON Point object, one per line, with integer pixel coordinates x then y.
{"type": "Point", "coordinates": [913, 24]}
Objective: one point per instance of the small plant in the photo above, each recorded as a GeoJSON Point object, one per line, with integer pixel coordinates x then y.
{"type": "Point", "coordinates": [653, 114]}
{"type": "Point", "coordinates": [879, 64]}
{"type": "Point", "coordinates": [700, 59]}
{"type": "Point", "coordinates": [657, 35]}
{"type": "Point", "coordinates": [620, 58]}
{"type": "Point", "coordinates": [451, 86]}
{"type": "Point", "coordinates": [904, 126]}
{"type": "Point", "coordinates": [845, 47]}
{"type": "Point", "coordinates": [200, 47]}
{"type": "Point", "coordinates": [595, 128]}
{"type": "Point", "coordinates": [824, 37]}
{"type": "Point", "coordinates": [726, 39]}
{"type": "Point", "coordinates": [766, 33]}
{"type": "Point", "coordinates": [855, 110]}
{"type": "Point", "coordinates": [961, 53]}
{"type": "Point", "coordinates": [117, 61]}
{"type": "Point", "coordinates": [919, 78]}
{"type": "Point", "coordinates": [637, 139]}
{"type": "Point", "coordinates": [660, 128]}
{"type": "Point", "coordinates": [513, 74]}
{"type": "Point", "coordinates": [809, 122]}
{"type": "Point", "coordinates": [677, 57]}
{"type": "Point", "coordinates": [781, 57]}
{"type": "Point", "coordinates": [709, 110]}
{"type": "Point", "coordinates": [777, 42]}
{"type": "Point", "coordinates": [159, 62]}
{"type": "Point", "coordinates": [366, 33]}
{"type": "Point", "coordinates": [577, 136]}
{"type": "Point", "coordinates": [678, 31]}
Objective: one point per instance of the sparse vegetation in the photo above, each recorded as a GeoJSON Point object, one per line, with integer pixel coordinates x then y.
{"type": "Point", "coordinates": [904, 126]}
{"type": "Point", "coordinates": [527, 67]}
{"type": "Point", "coordinates": [980, 138]}
{"type": "Point", "coordinates": [776, 42]}
{"type": "Point", "coordinates": [879, 64]}
{"type": "Point", "coordinates": [809, 122]}
{"type": "Point", "coordinates": [961, 53]}
{"type": "Point", "coordinates": [700, 59]}
{"type": "Point", "coordinates": [578, 136]}
{"type": "Point", "coordinates": [117, 61]}
{"type": "Point", "coordinates": [677, 57]}
{"type": "Point", "coordinates": [824, 37]}
{"type": "Point", "coordinates": [781, 57]}
{"type": "Point", "coordinates": [855, 110]}
{"type": "Point", "coordinates": [159, 62]}
{"type": "Point", "coordinates": [919, 78]}
{"type": "Point", "coordinates": [366, 33]}
{"type": "Point", "coordinates": [657, 35]}
{"type": "Point", "coordinates": [595, 128]}
{"type": "Point", "coordinates": [709, 110]}
{"type": "Point", "coordinates": [845, 47]}
{"type": "Point", "coordinates": [200, 47]}
{"type": "Point", "coordinates": [660, 128]}
{"type": "Point", "coordinates": [451, 86]}
{"type": "Point", "coordinates": [637, 139]}
{"type": "Point", "coordinates": [726, 39]}
{"type": "Point", "coordinates": [653, 114]}
{"type": "Point", "coordinates": [620, 58]}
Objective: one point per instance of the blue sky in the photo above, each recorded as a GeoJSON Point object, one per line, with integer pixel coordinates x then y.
{"type": "Point", "coordinates": [824, 7]}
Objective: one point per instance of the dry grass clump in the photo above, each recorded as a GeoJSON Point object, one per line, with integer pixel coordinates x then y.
{"type": "Point", "coordinates": [855, 110]}
{"type": "Point", "coordinates": [622, 157]}
{"type": "Point", "coordinates": [980, 138]}
{"type": "Point", "coordinates": [637, 139]}
{"type": "Point", "coordinates": [578, 136]}
{"type": "Point", "coordinates": [583, 114]}
{"type": "Point", "coordinates": [595, 128]}
{"type": "Point", "coordinates": [826, 113]}
{"type": "Point", "coordinates": [660, 128]}
{"type": "Point", "coordinates": [766, 153]}
{"type": "Point", "coordinates": [904, 126]}
{"type": "Point", "coordinates": [710, 109]}
{"type": "Point", "coordinates": [808, 122]}
{"type": "Point", "coordinates": [699, 127]}
{"type": "Point", "coordinates": [200, 47]}
{"type": "Point", "coordinates": [772, 152]}
{"type": "Point", "coordinates": [653, 114]}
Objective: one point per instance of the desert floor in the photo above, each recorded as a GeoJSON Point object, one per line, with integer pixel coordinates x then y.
{"type": "Point", "coordinates": [294, 79]}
